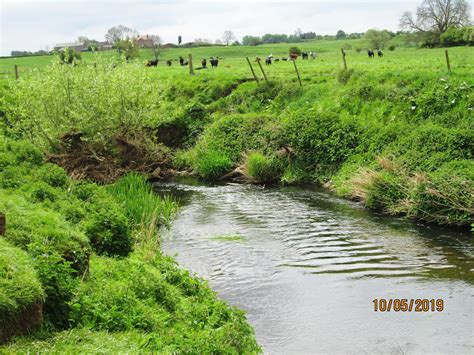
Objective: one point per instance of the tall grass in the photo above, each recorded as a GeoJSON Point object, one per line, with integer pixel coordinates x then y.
{"type": "Point", "coordinates": [141, 204]}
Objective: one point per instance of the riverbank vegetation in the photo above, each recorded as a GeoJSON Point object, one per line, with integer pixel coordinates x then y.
{"type": "Point", "coordinates": [81, 267]}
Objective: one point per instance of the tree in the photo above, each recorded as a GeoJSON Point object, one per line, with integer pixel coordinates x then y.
{"type": "Point", "coordinates": [298, 33]}
{"type": "Point", "coordinates": [127, 48]}
{"type": "Point", "coordinates": [156, 43]}
{"type": "Point", "coordinates": [251, 41]}
{"type": "Point", "coordinates": [340, 34]}
{"type": "Point", "coordinates": [437, 16]}
{"type": "Point", "coordinates": [119, 33]}
{"type": "Point", "coordinates": [228, 37]}
{"type": "Point", "coordinates": [377, 39]}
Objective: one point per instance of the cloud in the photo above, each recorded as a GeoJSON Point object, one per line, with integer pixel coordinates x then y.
{"type": "Point", "coordinates": [34, 24]}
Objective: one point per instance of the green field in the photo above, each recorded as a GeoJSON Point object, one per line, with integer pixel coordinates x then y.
{"type": "Point", "coordinates": [233, 59]}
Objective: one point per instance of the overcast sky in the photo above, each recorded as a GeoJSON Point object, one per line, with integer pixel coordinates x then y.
{"type": "Point", "coordinates": [35, 24]}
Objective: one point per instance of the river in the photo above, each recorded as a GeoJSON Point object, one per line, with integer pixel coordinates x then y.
{"type": "Point", "coordinates": [306, 267]}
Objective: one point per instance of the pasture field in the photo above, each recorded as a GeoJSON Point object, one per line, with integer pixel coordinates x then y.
{"type": "Point", "coordinates": [233, 59]}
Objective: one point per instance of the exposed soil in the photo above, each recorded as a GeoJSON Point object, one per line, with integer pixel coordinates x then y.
{"type": "Point", "coordinates": [106, 164]}
{"type": "Point", "coordinates": [22, 323]}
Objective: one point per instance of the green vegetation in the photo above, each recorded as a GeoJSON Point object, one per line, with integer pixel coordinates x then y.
{"type": "Point", "coordinates": [91, 269]}
{"type": "Point", "coordinates": [405, 108]}
{"type": "Point", "coordinates": [228, 238]}
{"type": "Point", "coordinates": [394, 133]}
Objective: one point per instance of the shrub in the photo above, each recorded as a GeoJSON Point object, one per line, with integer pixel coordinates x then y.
{"type": "Point", "coordinates": [343, 75]}
{"type": "Point", "coordinates": [294, 50]}
{"type": "Point", "coordinates": [105, 223]}
{"type": "Point", "coordinates": [108, 232]}
{"type": "Point", "coordinates": [68, 55]}
{"type": "Point", "coordinates": [392, 47]}
{"type": "Point", "coordinates": [321, 142]}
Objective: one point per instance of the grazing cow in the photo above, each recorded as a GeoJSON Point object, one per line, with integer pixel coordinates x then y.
{"type": "Point", "coordinates": [152, 63]}
{"type": "Point", "coordinates": [169, 62]}
{"type": "Point", "coordinates": [204, 63]}
{"type": "Point", "coordinates": [313, 55]}
{"type": "Point", "coordinates": [293, 56]}
{"type": "Point", "coordinates": [181, 60]}
{"type": "Point", "coordinates": [284, 59]}
{"type": "Point", "coordinates": [268, 61]}
{"type": "Point", "coordinates": [379, 53]}
{"type": "Point", "coordinates": [370, 53]}
{"type": "Point", "coordinates": [304, 55]}
{"type": "Point", "coordinates": [277, 59]}
{"type": "Point", "coordinates": [214, 62]}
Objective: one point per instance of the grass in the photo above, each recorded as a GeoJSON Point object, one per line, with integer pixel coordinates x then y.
{"type": "Point", "coordinates": [141, 204]}
{"type": "Point", "coordinates": [228, 238]}
{"type": "Point", "coordinates": [19, 283]}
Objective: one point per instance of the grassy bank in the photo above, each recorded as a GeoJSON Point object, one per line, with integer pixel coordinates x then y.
{"type": "Point", "coordinates": [81, 268]}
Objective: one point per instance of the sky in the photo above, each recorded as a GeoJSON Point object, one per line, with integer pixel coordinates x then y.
{"type": "Point", "coordinates": [40, 24]}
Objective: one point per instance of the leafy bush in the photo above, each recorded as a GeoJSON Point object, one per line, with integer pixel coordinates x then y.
{"type": "Point", "coordinates": [294, 50]}
{"type": "Point", "coordinates": [458, 36]}
{"type": "Point", "coordinates": [68, 55]}
{"type": "Point", "coordinates": [105, 223]}
{"type": "Point", "coordinates": [392, 47]}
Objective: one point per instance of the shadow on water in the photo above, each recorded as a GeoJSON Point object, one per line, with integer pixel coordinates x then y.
{"type": "Point", "coordinates": [306, 265]}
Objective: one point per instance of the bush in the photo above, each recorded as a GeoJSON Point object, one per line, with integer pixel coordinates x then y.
{"type": "Point", "coordinates": [392, 47]}
{"type": "Point", "coordinates": [68, 56]}
{"type": "Point", "coordinates": [343, 75]}
{"type": "Point", "coordinates": [105, 223]}
{"type": "Point", "coordinates": [294, 50]}
{"type": "Point", "coordinates": [321, 142]}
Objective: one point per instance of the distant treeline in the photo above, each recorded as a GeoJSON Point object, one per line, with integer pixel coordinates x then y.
{"type": "Point", "coordinates": [28, 53]}
{"type": "Point", "coordinates": [297, 37]}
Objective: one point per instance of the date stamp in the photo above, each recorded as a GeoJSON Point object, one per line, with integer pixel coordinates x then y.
{"type": "Point", "coordinates": [408, 305]}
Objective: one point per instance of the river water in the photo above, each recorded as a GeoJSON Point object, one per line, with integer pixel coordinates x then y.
{"type": "Point", "coordinates": [306, 267]}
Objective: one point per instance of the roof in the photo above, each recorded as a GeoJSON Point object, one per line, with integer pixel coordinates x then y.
{"type": "Point", "coordinates": [72, 44]}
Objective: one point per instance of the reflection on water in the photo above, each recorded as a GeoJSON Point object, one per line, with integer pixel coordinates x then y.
{"type": "Point", "coordinates": [306, 267]}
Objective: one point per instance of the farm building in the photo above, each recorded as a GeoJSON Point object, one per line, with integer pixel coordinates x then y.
{"type": "Point", "coordinates": [145, 41]}
{"type": "Point", "coordinates": [77, 46]}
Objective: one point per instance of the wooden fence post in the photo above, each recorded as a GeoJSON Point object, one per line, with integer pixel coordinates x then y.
{"type": "Point", "coordinates": [447, 59]}
{"type": "Point", "coordinates": [3, 224]}
{"type": "Point", "coordinates": [297, 73]}
{"type": "Point", "coordinates": [191, 71]}
{"type": "Point", "coordinates": [344, 58]}
{"type": "Point", "coordinates": [261, 68]}
{"type": "Point", "coordinates": [251, 69]}
{"type": "Point", "coordinates": [16, 72]}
